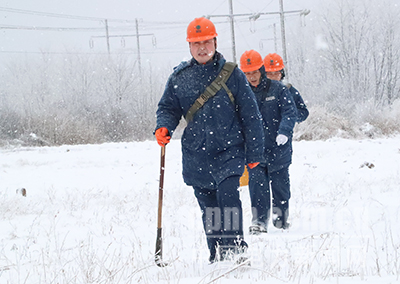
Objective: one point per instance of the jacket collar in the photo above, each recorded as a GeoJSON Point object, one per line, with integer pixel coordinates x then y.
{"type": "Point", "coordinates": [264, 84]}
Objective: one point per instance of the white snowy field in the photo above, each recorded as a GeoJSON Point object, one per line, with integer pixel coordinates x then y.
{"type": "Point", "coordinates": [90, 213]}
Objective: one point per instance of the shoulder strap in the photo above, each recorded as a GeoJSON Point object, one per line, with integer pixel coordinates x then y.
{"type": "Point", "coordinates": [229, 67]}
{"type": "Point", "coordinates": [212, 89]}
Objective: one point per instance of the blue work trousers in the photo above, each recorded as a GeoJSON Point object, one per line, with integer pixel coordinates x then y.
{"type": "Point", "coordinates": [221, 214]}
{"type": "Point", "coordinates": [261, 183]}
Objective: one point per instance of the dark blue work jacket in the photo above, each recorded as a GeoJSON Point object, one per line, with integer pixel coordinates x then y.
{"type": "Point", "coordinates": [279, 115]}
{"type": "Point", "coordinates": [222, 136]}
{"type": "Point", "coordinates": [302, 111]}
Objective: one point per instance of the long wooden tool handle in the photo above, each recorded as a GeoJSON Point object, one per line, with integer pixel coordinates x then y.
{"type": "Point", "coordinates": [161, 187]}
{"type": "Point", "coordinates": [159, 243]}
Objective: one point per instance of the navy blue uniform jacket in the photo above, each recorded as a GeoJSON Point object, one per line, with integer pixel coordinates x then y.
{"type": "Point", "coordinates": [279, 114]}
{"type": "Point", "coordinates": [222, 136]}
{"type": "Point", "coordinates": [302, 111]}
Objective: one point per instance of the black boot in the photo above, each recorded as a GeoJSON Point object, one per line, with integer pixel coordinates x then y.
{"type": "Point", "coordinates": [281, 218]}
{"type": "Point", "coordinates": [215, 252]}
{"type": "Point", "coordinates": [257, 229]}
{"type": "Point", "coordinates": [236, 253]}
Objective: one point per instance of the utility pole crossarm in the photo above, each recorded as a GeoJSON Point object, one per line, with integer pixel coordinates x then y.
{"type": "Point", "coordinates": [303, 12]}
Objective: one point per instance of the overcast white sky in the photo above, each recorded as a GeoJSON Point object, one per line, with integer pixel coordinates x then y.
{"type": "Point", "coordinates": [29, 27]}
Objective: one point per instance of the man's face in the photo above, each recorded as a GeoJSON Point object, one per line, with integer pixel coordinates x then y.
{"type": "Point", "coordinates": [253, 77]}
{"type": "Point", "coordinates": [203, 51]}
{"type": "Point", "coordinates": [274, 75]}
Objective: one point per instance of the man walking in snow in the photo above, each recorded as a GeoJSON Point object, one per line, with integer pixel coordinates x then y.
{"type": "Point", "coordinates": [279, 117]}
{"type": "Point", "coordinates": [275, 70]}
{"type": "Point", "coordinates": [223, 133]}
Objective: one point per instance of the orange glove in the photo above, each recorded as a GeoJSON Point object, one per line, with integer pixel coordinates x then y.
{"type": "Point", "coordinates": [252, 165]}
{"type": "Point", "coordinates": [161, 136]}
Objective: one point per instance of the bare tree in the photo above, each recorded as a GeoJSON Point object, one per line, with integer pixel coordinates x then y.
{"type": "Point", "coordinates": [360, 62]}
{"type": "Point", "coordinates": [73, 99]}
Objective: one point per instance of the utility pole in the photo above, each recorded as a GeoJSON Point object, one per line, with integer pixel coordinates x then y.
{"type": "Point", "coordinates": [138, 48]}
{"type": "Point", "coordinates": [283, 36]}
{"type": "Point", "coordinates": [107, 36]}
{"type": "Point", "coordinates": [232, 30]}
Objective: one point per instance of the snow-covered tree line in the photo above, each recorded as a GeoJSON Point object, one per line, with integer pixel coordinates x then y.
{"type": "Point", "coordinates": [345, 64]}
{"type": "Point", "coordinates": [77, 99]}
{"type": "Point", "coordinates": [349, 68]}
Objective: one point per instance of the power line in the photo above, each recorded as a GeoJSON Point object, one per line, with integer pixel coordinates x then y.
{"type": "Point", "coordinates": [65, 16]}
{"type": "Point", "coordinates": [50, 52]}
{"type": "Point", "coordinates": [36, 28]}
{"type": "Point", "coordinates": [267, 5]}
{"type": "Point", "coordinates": [159, 25]}
{"type": "Point", "coordinates": [114, 28]}
{"type": "Point", "coordinates": [85, 18]}
{"type": "Point", "coordinates": [128, 51]}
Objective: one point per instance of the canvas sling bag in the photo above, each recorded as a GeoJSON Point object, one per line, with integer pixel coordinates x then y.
{"type": "Point", "coordinates": [212, 89]}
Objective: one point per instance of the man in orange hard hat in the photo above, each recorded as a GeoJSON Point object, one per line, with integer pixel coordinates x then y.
{"type": "Point", "coordinates": [223, 133]}
{"type": "Point", "coordinates": [275, 70]}
{"type": "Point", "coordinates": [279, 117]}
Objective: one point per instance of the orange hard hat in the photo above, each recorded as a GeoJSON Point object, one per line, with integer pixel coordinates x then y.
{"type": "Point", "coordinates": [200, 29]}
{"type": "Point", "coordinates": [250, 60]}
{"type": "Point", "coordinates": [273, 62]}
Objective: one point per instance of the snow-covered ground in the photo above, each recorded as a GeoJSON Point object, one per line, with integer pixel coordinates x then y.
{"type": "Point", "coordinates": [90, 213]}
